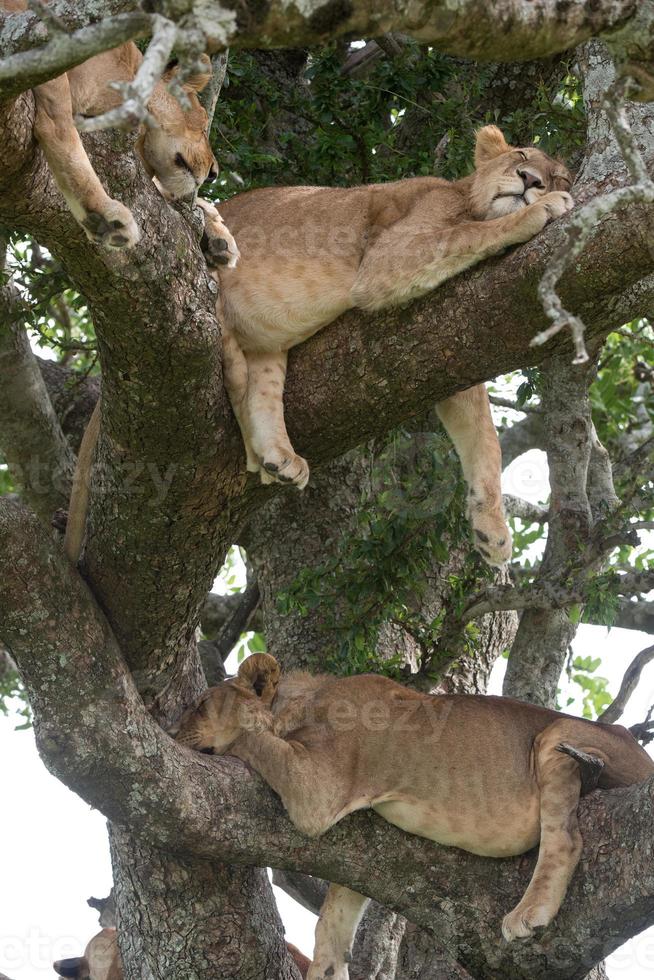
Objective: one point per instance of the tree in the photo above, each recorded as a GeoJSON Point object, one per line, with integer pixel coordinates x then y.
{"type": "Point", "coordinates": [370, 567]}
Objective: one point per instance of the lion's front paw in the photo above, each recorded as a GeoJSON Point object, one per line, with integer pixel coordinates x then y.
{"type": "Point", "coordinates": [282, 465]}
{"type": "Point", "coordinates": [557, 203]}
{"type": "Point", "coordinates": [492, 537]}
{"type": "Point", "coordinates": [114, 227]}
{"type": "Point", "coordinates": [219, 246]}
{"type": "Point", "coordinates": [536, 216]}
{"type": "Point", "coordinates": [521, 922]}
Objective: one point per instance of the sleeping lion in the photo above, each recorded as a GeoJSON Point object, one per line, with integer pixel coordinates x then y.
{"type": "Point", "coordinates": [311, 739]}
{"type": "Point", "coordinates": [176, 151]}
{"type": "Point", "coordinates": [309, 254]}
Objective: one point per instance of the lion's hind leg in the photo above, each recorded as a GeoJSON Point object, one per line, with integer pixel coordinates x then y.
{"type": "Point", "coordinates": [337, 926]}
{"type": "Point", "coordinates": [559, 781]}
{"type": "Point", "coordinates": [105, 221]}
{"type": "Point", "coordinates": [467, 419]}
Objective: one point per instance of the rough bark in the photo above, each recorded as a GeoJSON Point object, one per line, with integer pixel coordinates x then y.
{"type": "Point", "coordinates": [333, 400]}
{"type": "Point", "coordinates": [167, 427]}
{"type": "Point", "coordinates": [31, 439]}
{"type": "Point", "coordinates": [504, 30]}
{"type": "Point", "coordinates": [98, 737]}
{"type": "Point", "coordinates": [544, 635]}
{"type": "Point", "coordinates": [236, 928]}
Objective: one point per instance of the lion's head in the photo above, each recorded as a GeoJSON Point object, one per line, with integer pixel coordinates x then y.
{"type": "Point", "coordinates": [178, 152]}
{"type": "Point", "coordinates": [508, 178]}
{"type": "Point", "coordinates": [239, 704]}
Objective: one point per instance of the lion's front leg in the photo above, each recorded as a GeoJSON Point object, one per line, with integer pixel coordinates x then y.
{"type": "Point", "coordinates": [337, 926]}
{"type": "Point", "coordinates": [105, 221]}
{"type": "Point", "coordinates": [266, 425]}
{"type": "Point", "coordinates": [469, 424]}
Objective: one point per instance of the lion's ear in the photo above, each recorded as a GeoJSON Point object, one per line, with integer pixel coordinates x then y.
{"type": "Point", "coordinates": [199, 80]}
{"type": "Point", "coordinates": [490, 143]}
{"type": "Point", "coordinates": [261, 673]}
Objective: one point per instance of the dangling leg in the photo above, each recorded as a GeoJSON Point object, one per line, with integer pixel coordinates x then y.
{"type": "Point", "coordinates": [469, 424]}
{"type": "Point", "coordinates": [337, 926]}
{"type": "Point", "coordinates": [105, 221]}
{"type": "Point", "coordinates": [266, 426]}
{"type": "Point", "coordinates": [559, 781]}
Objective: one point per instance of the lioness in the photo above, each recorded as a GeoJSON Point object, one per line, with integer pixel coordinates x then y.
{"type": "Point", "coordinates": [101, 960]}
{"type": "Point", "coordinates": [313, 741]}
{"type": "Point", "coordinates": [177, 152]}
{"type": "Point", "coordinates": [310, 253]}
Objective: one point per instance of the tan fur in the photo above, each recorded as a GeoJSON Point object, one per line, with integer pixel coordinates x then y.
{"type": "Point", "coordinates": [85, 90]}
{"type": "Point", "coordinates": [101, 960]}
{"type": "Point", "coordinates": [310, 253]}
{"type": "Point", "coordinates": [482, 773]}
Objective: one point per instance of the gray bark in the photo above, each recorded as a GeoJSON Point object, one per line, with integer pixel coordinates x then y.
{"type": "Point", "coordinates": [151, 556]}
{"type": "Point", "coordinates": [236, 929]}
{"type": "Point", "coordinates": [98, 737]}
{"type": "Point", "coordinates": [31, 439]}
{"type": "Point", "coordinates": [499, 31]}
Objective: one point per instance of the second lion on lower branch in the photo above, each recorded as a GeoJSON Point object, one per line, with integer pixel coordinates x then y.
{"type": "Point", "coordinates": [429, 772]}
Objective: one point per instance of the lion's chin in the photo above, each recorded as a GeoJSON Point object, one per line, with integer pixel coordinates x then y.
{"type": "Point", "coordinates": [506, 204]}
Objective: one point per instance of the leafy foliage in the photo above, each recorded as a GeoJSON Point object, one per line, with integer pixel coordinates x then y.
{"type": "Point", "coordinates": [56, 316]}
{"type": "Point", "coordinates": [413, 114]}
{"type": "Point", "coordinates": [384, 572]}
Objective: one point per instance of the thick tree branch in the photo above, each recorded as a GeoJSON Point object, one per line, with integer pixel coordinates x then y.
{"type": "Point", "coordinates": [98, 738]}
{"type": "Point", "coordinates": [168, 470]}
{"type": "Point", "coordinates": [502, 30]}
{"type": "Point", "coordinates": [31, 439]}
{"type": "Point", "coordinates": [26, 69]}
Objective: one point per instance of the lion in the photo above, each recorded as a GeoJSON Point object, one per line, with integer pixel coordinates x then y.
{"type": "Point", "coordinates": [332, 745]}
{"type": "Point", "coordinates": [101, 960]}
{"type": "Point", "coordinates": [309, 254]}
{"type": "Point", "coordinates": [176, 152]}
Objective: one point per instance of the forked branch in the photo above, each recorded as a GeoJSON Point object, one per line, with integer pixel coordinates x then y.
{"type": "Point", "coordinates": [585, 220]}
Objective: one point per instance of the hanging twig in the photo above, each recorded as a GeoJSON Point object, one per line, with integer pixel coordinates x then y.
{"type": "Point", "coordinates": [628, 686]}
{"type": "Point", "coordinates": [136, 94]}
{"type": "Point", "coordinates": [583, 222]}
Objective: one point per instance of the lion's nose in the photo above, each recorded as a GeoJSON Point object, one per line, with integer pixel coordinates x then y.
{"type": "Point", "coordinates": [530, 180]}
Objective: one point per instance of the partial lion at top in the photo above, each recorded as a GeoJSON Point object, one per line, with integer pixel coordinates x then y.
{"type": "Point", "coordinates": [177, 151]}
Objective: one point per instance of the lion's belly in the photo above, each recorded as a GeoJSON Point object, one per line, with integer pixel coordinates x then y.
{"type": "Point", "coordinates": [504, 828]}
{"type": "Point", "coordinates": [279, 304]}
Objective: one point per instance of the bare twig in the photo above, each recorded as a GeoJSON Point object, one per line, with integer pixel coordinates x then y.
{"type": "Point", "coordinates": [643, 731]}
{"type": "Point", "coordinates": [581, 224]}
{"type": "Point", "coordinates": [26, 69]}
{"type": "Point", "coordinates": [210, 93]}
{"type": "Point", "coordinates": [136, 94]}
{"type": "Point", "coordinates": [530, 513]}
{"type": "Point", "coordinates": [628, 686]}
{"type": "Point", "coordinates": [550, 595]}
{"type": "Point", "coordinates": [508, 403]}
